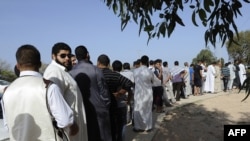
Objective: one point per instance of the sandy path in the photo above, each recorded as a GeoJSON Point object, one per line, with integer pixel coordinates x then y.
{"type": "Point", "coordinates": [204, 120]}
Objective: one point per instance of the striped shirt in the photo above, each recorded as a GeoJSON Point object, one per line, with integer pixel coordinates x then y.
{"type": "Point", "coordinates": [116, 81]}
{"type": "Point", "coordinates": [225, 71]}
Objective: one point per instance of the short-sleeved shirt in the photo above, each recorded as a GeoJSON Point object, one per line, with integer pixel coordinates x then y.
{"type": "Point", "coordinates": [197, 75]}
{"type": "Point", "coordinates": [225, 71]}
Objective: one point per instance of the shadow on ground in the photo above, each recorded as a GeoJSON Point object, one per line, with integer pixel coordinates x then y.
{"type": "Point", "coordinates": [143, 136]}
{"type": "Point", "coordinates": [195, 123]}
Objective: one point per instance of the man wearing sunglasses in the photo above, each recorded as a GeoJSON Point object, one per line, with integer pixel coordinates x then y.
{"type": "Point", "coordinates": [57, 73]}
{"type": "Point", "coordinates": [63, 58]}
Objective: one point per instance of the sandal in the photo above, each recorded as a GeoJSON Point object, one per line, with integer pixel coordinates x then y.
{"type": "Point", "coordinates": [161, 111]}
{"type": "Point", "coordinates": [138, 130]}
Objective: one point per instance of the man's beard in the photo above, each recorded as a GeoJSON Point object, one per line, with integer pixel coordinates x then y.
{"type": "Point", "coordinates": [68, 67]}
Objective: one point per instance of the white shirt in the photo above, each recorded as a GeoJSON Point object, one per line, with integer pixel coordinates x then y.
{"type": "Point", "coordinates": [204, 70]}
{"type": "Point", "coordinates": [128, 74]}
{"type": "Point", "coordinates": [242, 73]}
{"type": "Point", "coordinates": [58, 106]}
{"type": "Point", "coordinates": [232, 71]}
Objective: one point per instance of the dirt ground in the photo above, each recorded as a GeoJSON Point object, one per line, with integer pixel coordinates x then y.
{"type": "Point", "coordinates": [204, 120]}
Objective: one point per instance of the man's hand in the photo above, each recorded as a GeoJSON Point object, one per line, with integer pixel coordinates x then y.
{"type": "Point", "coordinates": [119, 93]}
{"type": "Point", "coordinates": [73, 129]}
{"type": "Point", "coordinates": [116, 94]}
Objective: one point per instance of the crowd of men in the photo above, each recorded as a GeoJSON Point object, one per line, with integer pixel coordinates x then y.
{"type": "Point", "coordinates": [225, 77]}
{"type": "Point", "coordinates": [78, 101]}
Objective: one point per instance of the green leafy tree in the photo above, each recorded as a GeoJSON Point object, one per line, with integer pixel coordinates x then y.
{"type": "Point", "coordinates": [205, 55]}
{"type": "Point", "coordinates": [4, 65]}
{"type": "Point", "coordinates": [8, 75]}
{"type": "Point", "coordinates": [241, 50]}
{"type": "Point", "coordinates": [217, 15]}
{"type": "Point", "coordinates": [6, 72]}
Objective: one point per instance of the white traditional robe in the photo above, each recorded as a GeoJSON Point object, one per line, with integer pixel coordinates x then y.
{"type": "Point", "coordinates": [232, 76]}
{"type": "Point", "coordinates": [143, 98]}
{"type": "Point", "coordinates": [188, 89]}
{"type": "Point", "coordinates": [210, 79]}
{"type": "Point", "coordinates": [242, 73]}
{"type": "Point", "coordinates": [72, 94]}
{"type": "Point", "coordinates": [167, 84]}
{"type": "Point", "coordinates": [217, 81]}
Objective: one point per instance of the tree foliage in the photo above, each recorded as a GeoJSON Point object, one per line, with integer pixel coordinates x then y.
{"type": "Point", "coordinates": [241, 49]}
{"type": "Point", "coordinates": [205, 55]}
{"type": "Point", "coordinates": [6, 72]}
{"type": "Point", "coordinates": [4, 65]}
{"type": "Point", "coordinates": [217, 15]}
{"type": "Point", "coordinates": [246, 85]}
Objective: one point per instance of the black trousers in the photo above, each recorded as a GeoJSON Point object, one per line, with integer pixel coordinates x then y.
{"type": "Point", "coordinates": [225, 82]}
{"type": "Point", "coordinates": [157, 95]}
{"type": "Point", "coordinates": [177, 86]}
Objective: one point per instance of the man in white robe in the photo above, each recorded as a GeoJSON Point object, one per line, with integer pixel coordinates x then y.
{"type": "Point", "coordinates": [210, 78]}
{"type": "Point", "coordinates": [232, 75]}
{"type": "Point", "coordinates": [186, 78]}
{"type": "Point", "coordinates": [204, 73]}
{"type": "Point", "coordinates": [57, 73]}
{"type": "Point", "coordinates": [143, 96]}
{"type": "Point", "coordinates": [242, 72]}
{"type": "Point", "coordinates": [167, 83]}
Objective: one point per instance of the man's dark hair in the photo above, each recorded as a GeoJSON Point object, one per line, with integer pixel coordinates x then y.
{"type": "Point", "coordinates": [117, 65]}
{"type": "Point", "coordinates": [144, 60]}
{"type": "Point", "coordinates": [103, 59]}
{"type": "Point", "coordinates": [176, 63]}
{"type": "Point", "coordinates": [28, 55]}
{"type": "Point", "coordinates": [137, 62]}
{"type": "Point", "coordinates": [17, 71]}
{"type": "Point", "coordinates": [157, 61]}
{"type": "Point", "coordinates": [60, 46]}
{"type": "Point", "coordinates": [165, 64]}
{"type": "Point", "coordinates": [126, 66]}
{"type": "Point", "coordinates": [151, 62]}
{"type": "Point", "coordinates": [81, 52]}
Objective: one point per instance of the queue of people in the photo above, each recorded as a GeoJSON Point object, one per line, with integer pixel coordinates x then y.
{"type": "Point", "coordinates": [76, 100]}
{"type": "Point", "coordinates": [224, 77]}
